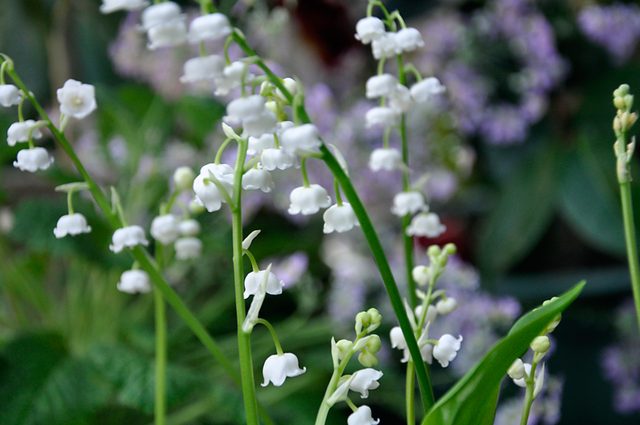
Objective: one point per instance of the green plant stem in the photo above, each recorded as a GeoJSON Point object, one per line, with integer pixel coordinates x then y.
{"type": "Point", "coordinates": [244, 339]}
{"type": "Point", "coordinates": [632, 246]}
{"type": "Point", "coordinates": [529, 397]}
{"type": "Point", "coordinates": [160, 382]}
{"type": "Point", "coordinates": [424, 382]}
{"type": "Point", "coordinates": [410, 394]}
{"type": "Point", "coordinates": [323, 411]}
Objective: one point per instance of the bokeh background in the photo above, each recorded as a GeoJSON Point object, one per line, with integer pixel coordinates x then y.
{"type": "Point", "coordinates": [517, 160]}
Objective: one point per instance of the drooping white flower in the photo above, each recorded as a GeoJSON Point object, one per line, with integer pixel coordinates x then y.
{"type": "Point", "coordinates": [9, 95]}
{"type": "Point", "coordinates": [276, 158]}
{"type": "Point", "coordinates": [167, 34]}
{"type": "Point", "coordinates": [408, 203]}
{"type": "Point", "coordinates": [71, 224]}
{"type": "Point", "coordinates": [446, 305]}
{"type": "Point", "coordinates": [362, 416]}
{"type": "Point", "coordinates": [165, 229]}
{"type": "Point", "coordinates": [32, 160]}
{"type": "Point", "coordinates": [257, 125]}
{"type": "Point", "coordinates": [397, 338]}
{"type": "Point", "coordinates": [188, 248]}
{"type": "Point", "coordinates": [202, 68]}
{"type": "Point", "coordinates": [382, 116]}
{"type": "Point", "coordinates": [253, 279]}
{"type": "Point", "coordinates": [134, 282]}
{"type": "Point", "coordinates": [427, 225]}
{"type": "Point", "coordinates": [301, 140]}
{"type": "Point", "coordinates": [425, 90]}
{"type": "Point", "coordinates": [207, 193]}
{"type": "Point", "coordinates": [76, 99]}
{"type": "Point", "coordinates": [400, 99]}
{"type": "Point", "coordinates": [369, 29]}
{"type": "Point", "coordinates": [109, 6]}
{"type": "Point", "coordinates": [257, 179]}
{"type": "Point", "coordinates": [408, 40]}
{"type": "Point", "coordinates": [308, 200]}
{"type": "Point", "coordinates": [183, 178]}
{"type": "Point", "coordinates": [160, 13]}
{"type": "Point", "coordinates": [231, 77]}
{"type": "Point", "coordinates": [385, 46]}
{"type": "Point", "coordinates": [127, 237]}
{"type": "Point", "coordinates": [279, 367]}
{"type": "Point", "coordinates": [339, 218]}
{"type": "Point", "coordinates": [258, 144]}
{"type": "Point", "coordinates": [517, 370]}
{"type": "Point", "coordinates": [387, 159]}
{"type": "Point", "coordinates": [447, 349]}
{"type": "Point", "coordinates": [421, 274]}
{"type": "Point", "coordinates": [214, 26]}
{"type": "Point", "coordinates": [243, 107]}
{"type": "Point", "coordinates": [365, 380]}
{"type": "Point", "coordinates": [382, 85]}
{"type": "Point", "coordinates": [189, 227]}
{"type": "Point", "coordinates": [20, 131]}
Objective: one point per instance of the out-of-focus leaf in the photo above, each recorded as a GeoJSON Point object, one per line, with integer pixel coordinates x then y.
{"type": "Point", "coordinates": [466, 403]}
{"type": "Point", "coordinates": [197, 117]}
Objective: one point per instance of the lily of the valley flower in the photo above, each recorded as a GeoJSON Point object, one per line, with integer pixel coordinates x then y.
{"type": "Point", "coordinates": [447, 349]}
{"type": "Point", "coordinates": [214, 26]}
{"type": "Point", "coordinates": [279, 367]}
{"type": "Point", "coordinates": [257, 179]}
{"type": "Point", "coordinates": [364, 380]}
{"type": "Point", "coordinates": [427, 225]}
{"type": "Point", "coordinates": [301, 140]}
{"type": "Point", "coordinates": [339, 218]}
{"type": "Point", "coordinates": [76, 99]}
{"type": "Point", "coordinates": [160, 13]}
{"type": "Point", "coordinates": [308, 200]}
{"type": "Point", "coordinates": [408, 40]}
{"type": "Point", "coordinates": [382, 85]}
{"type": "Point", "coordinates": [253, 279]}
{"type": "Point", "coordinates": [525, 368]}
{"type": "Point", "coordinates": [109, 6]}
{"type": "Point", "coordinates": [9, 95]}
{"type": "Point", "coordinates": [134, 282]}
{"type": "Point", "coordinates": [382, 116]}
{"type": "Point", "coordinates": [167, 34]}
{"type": "Point", "coordinates": [244, 107]}
{"type": "Point", "coordinates": [203, 68]}
{"type": "Point", "coordinates": [188, 248]}
{"type": "Point", "coordinates": [387, 159]}
{"type": "Point", "coordinates": [189, 227]}
{"type": "Point", "coordinates": [231, 77]}
{"type": "Point", "coordinates": [369, 29]}
{"type": "Point", "coordinates": [362, 416]}
{"type": "Point", "coordinates": [408, 203]}
{"type": "Point", "coordinates": [208, 193]}
{"type": "Point", "coordinates": [400, 99]}
{"type": "Point", "coordinates": [385, 46]}
{"type": "Point", "coordinates": [22, 130]}
{"type": "Point", "coordinates": [276, 158]}
{"type": "Point", "coordinates": [446, 305]}
{"type": "Point", "coordinates": [425, 90]}
{"type": "Point", "coordinates": [165, 229]}
{"type": "Point", "coordinates": [127, 237]}
{"type": "Point", "coordinates": [71, 224]}
{"type": "Point", "coordinates": [32, 160]}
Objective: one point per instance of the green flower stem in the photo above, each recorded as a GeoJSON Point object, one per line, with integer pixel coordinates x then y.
{"type": "Point", "coordinates": [410, 389]}
{"type": "Point", "coordinates": [244, 339]}
{"type": "Point", "coordinates": [70, 201]}
{"type": "Point", "coordinates": [274, 335]}
{"type": "Point", "coordinates": [160, 407]}
{"type": "Point", "coordinates": [632, 245]}
{"type": "Point", "coordinates": [424, 382]}
{"type": "Point", "coordinates": [528, 398]}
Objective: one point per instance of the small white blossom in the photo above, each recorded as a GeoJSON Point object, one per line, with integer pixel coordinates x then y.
{"type": "Point", "coordinates": [278, 367]}
{"type": "Point", "coordinates": [253, 279]}
{"type": "Point", "coordinates": [241, 108]}
{"type": "Point", "coordinates": [382, 116]}
{"type": "Point", "coordinates": [400, 99]}
{"type": "Point", "coordinates": [188, 248]}
{"type": "Point", "coordinates": [339, 218]}
{"type": "Point", "coordinates": [183, 178]}
{"type": "Point", "coordinates": [276, 158]}
{"type": "Point", "coordinates": [134, 282]}
{"type": "Point", "coordinates": [365, 380]}
{"type": "Point", "coordinates": [408, 40]}
{"type": "Point", "coordinates": [260, 143]}
{"type": "Point", "coordinates": [165, 229]}
{"type": "Point", "coordinates": [77, 100]}
{"type": "Point", "coordinates": [446, 305]}
{"type": "Point", "coordinates": [385, 46]}
{"type": "Point", "coordinates": [397, 338]}
{"type": "Point", "coordinates": [202, 68]}
{"type": "Point", "coordinates": [362, 416]}
{"type": "Point", "coordinates": [257, 179]}
{"type": "Point", "coordinates": [71, 224]}
{"type": "Point", "coordinates": [517, 370]}
{"type": "Point", "coordinates": [167, 34]}
{"type": "Point", "coordinates": [421, 274]}
{"type": "Point", "coordinates": [214, 26]}
{"type": "Point", "coordinates": [257, 125]}
{"type": "Point", "coordinates": [9, 95]}
{"type": "Point", "coordinates": [425, 90]}
{"type": "Point", "coordinates": [32, 160]}
{"type": "Point", "coordinates": [301, 140]}
{"type": "Point", "coordinates": [189, 227]}
{"type": "Point", "coordinates": [382, 85]}
{"type": "Point", "coordinates": [109, 6]}
{"type": "Point", "coordinates": [127, 237]}
{"type": "Point", "coordinates": [232, 77]}
{"type": "Point", "coordinates": [387, 159]}
{"type": "Point", "coordinates": [207, 193]}
{"type": "Point", "coordinates": [427, 225]}
{"type": "Point", "coordinates": [20, 132]}
{"type": "Point", "coordinates": [447, 349]}
{"type": "Point", "coordinates": [369, 29]}
{"type": "Point", "coordinates": [408, 203]}
{"type": "Point", "coordinates": [308, 200]}
{"type": "Point", "coordinates": [160, 13]}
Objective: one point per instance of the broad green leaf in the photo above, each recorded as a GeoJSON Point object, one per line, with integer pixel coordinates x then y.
{"type": "Point", "coordinates": [466, 403]}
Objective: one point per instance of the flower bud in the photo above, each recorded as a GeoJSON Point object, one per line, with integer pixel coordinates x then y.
{"type": "Point", "coordinates": [373, 344]}
{"type": "Point", "coordinates": [367, 359]}
{"type": "Point", "coordinates": [621, 91]}
{"type": "Point", "coordinates": [271, 106]}
{"type": "Point", "coordinates": [183, 178]}
{"type": "Point", "coordinates": [375, 318]}
{"type": "Point", "coordinates": [363, 320]}
{"type": "Point", "coordinates": [516, 371]}
{"type": "Point", "coordinates": [628, 101]}
{"type": "Point", "coordinates": [618, 102]}
{"type": "Point", "coordinates": [421, 274]}
{"type": "Point", "coordinates": [541, 344]}
{"type": "Point", "coordinates": [434, 251]}
{"type": "Point", "coordinates": [344, 347]}
{"type": "Point", "coordinates": [196, 208]}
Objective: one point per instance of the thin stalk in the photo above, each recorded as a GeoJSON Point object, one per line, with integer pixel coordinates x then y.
{"type": "Point", "coordinates": [274, 335]}
{"type": "Point", "coordinates": [632, 245]}
{"type": "Point", "coordinates": [323, 411]}
{"type": "Point", "coordinates": [160, 382]}
{"type": "Point", "coordinates": [410, 389]}
{"type": "Point", "coordinates": [529, 397]}
{"type": "Point", "coordinates": [244, 339]}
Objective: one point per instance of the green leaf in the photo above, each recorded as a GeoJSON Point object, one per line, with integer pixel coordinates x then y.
{"type": "Point", "coordinates": [467, 402]}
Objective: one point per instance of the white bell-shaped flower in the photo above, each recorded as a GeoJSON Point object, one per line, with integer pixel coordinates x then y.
{"type": "Point", "coordinates": [301, 140]}
{"type": "Point", "coordinates": [276, 158]}
{"type": "Point", "coordinates": [207, 193]}
{"type": "Point", "coordinates": [167, 34]}
{"type": "Point", "coordinates": [387, 159]}
{"type": "Point", "coordinates": [526, 373]}
{"type": "Point", "coordinates": [408, 203]}
{"type": "Point", "coordinates": [308, 200]}
{"type": "Point", "coordinates": [432, 313]}
{"type": "Point", "coordinates": [71, 224]}
{"type": "Point", "coordinates": [447, 349]}
{"type": "Point", "coordinates": [364, 380]}
{"type": "Point", "coordinates": [425, 90]}
{"type": "Point", "coordinates": [446, 306]}
{"type": "Point", "coordinates": [408, 40]}
{"type": "Point", "coordinates": [257, 179]}
{"type": "Point", "coordinates": [214, 26]}
{"type": "Point", "coordinates": [110, 6]}
{"type": "Point", "coordinates": [257, 125]}
{"type": "Point", "coordinates": [400, 99]}
{"type": "Point", "coordinates": [127, 237]}
{"type": "Point", "coordinates": [77, 100]}
{"type": "Point", "coordinates": [160, 13]}
{"type": "Point", "coordinates": [188, 248]}
{"type": "Point", "coordinates": [369, 29]}
{"type": "Point", "coordinates": [232, 77]}
{"type": "Point", "coordinates": [32, 160]}
{"type": "Point", "coordinates": [362, 416]}
{"type": "Point", "coordinates": [382, 116]}
{"type": "Point", "coordinates": [385, 46]}
{"type": "Point", "coordinates": [241, 108]}
{"type": "Point", "coordinates": [397, 338]}
{"type": "Point", "coordinates": [189, 227]}
{"type": "Point", "coordinates": [22, 130]}
{"type": "Point", "coordinates": [427, 225]}
{"type": "Point", "coordinates": [165, 229]}
{"type": "Point", "coordinates": [253, 279]}
{"type": "Point", "coordinates": [258, 144]}
{"type": "Point", "coordinates": [279, 367]}
{"type": "Point", "coordinates": [421, 274]}
{"type": "Point", "coordinates": [382, 85]}
{"type": "Point", "coordinates": [9, 95]}
{"type": "Point", "coordinates": [339, 218]}
{"type": "Point", "coordinates": [202, 68]}
{"type": "Point", "coordinates": [134, 282]}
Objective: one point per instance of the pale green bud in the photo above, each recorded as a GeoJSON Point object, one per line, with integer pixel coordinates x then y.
{"type": "Point", "coordinates": [541, 344]}
{"type": "Point", "coordinates": [618, 102]}
{"type": "Point", "coordinates": [196, 208]}
{"type": "Point", "coordinates": [450, 249]}
{"type": "Point", "coordinates": [183, 178]}
{"type": "Point", "coordinates": [272, 106]}
{"type": "Point", "coordinates": [621, 91]}
{"type": "Point", "coordinates": [628, 101]}
{"type": "Point", "coordinates": [367, 359]}
{"type": "Point", "coordinates": [344, 347]}
{"type": "Point", "coordinates": [363, 320]}
{"type": "Point", "coordinates": [375, 319]}
{"type": "Point", "coordinates": [421, 274]}
{"type": "Point", "coordinates": [516, 371]}
{"type": "Point", "coordinates": [373, 344]}
{"type": "Point", "coordinates": [434, 251]}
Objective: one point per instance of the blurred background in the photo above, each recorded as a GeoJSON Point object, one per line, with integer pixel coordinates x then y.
{"type": "Point", "coordinates": [517, 160]}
